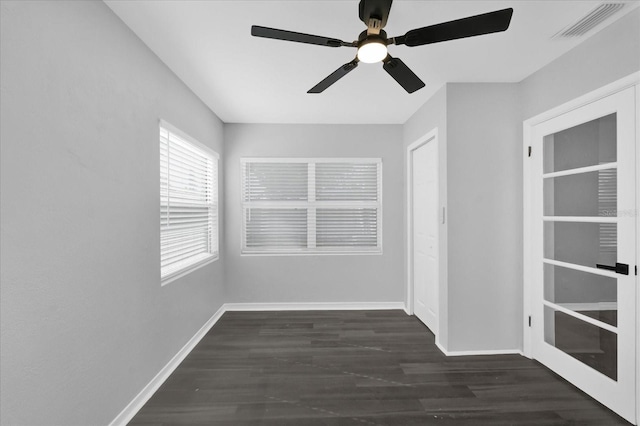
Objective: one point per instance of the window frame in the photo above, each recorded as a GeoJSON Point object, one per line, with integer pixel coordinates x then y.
{"type": "Point", "coordinates": [308, 205]}
{"type": "Point", "coordinates": [214, 220]}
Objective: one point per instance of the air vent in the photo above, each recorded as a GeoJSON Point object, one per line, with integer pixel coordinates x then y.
{"type": "Point", "coordinates": [590, 21]}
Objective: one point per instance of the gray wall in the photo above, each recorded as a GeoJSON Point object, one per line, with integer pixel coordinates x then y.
{"type": "Point", "coordinates": [316, 278]}
{"type": "Point", "coordinates": [484, 177]}
{"type": "Point", "coordinates": [607, 56]}
{"type": "Point", "coordinates": [479, 134]}
{"type": "Point", "coordinates": [85, 324]}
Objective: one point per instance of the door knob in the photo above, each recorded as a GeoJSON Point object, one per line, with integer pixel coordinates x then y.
{"type": "Point", "coordinates": [620, 268]}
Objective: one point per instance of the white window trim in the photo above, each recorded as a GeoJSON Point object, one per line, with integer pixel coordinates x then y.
{"type": "Point", "coordinates": [173, 129]}
{"type": "Point", "coordinates": [164, 280]}
{"type": "Point", "coordinates": [188, 269]}
{"type": "Point", "coordinates": [315, 251]}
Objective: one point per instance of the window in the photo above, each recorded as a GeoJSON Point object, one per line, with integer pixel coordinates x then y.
{"type": "Point", "coordinates": [311, 205]}
{"type": "Point", "coordinates": [188, 203]}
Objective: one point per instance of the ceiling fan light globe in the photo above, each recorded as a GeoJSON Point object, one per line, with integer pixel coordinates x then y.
{"type": "Point", "coordinates": [372, 52]}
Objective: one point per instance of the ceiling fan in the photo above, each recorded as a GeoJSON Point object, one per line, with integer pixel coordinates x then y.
{"type": "Point", "coordinates": [372, 43]}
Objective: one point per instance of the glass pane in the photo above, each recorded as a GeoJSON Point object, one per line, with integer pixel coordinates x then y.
{"type": "Point", "coordinates": [590, 294]}
{"type": "Point", "coordinates": [275, 228]}
{"type": "Point", "coordinates": [346, 181]}
{"type": "Point", "coordinates": [347, 228]}
{"type": "Point", "coordinates": [582, 194]}
{"type": "Point", "coordinates": [594, 346]}
{"type": "Point", "coordinates": [584, 244]}
{"type": "Point", "coordinates": [275, 181]}
{"type": "Point", "coordinates": [587, 144]}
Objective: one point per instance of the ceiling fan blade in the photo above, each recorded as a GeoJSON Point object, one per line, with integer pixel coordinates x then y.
{"type": "Point", "coordinates": [402, 74]}
{"type": "Point", "coordinates": [471, 26]}
{"type": "Point", "coordinates": [258, 31]}
{"type": "Point", "coordinates": [334, 76]}
{"type": "Point", "coordinates": [377, 9]}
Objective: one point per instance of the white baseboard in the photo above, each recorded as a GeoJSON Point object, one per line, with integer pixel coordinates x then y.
{"type": "Point", "coordinates": [481, 352]}
{"type": "Point", "coordinates": [147, 392]}
{"type": "Point", "coordinates": [337, 306]}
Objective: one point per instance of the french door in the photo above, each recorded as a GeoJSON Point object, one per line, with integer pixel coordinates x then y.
{"type": "Point", "coordinates": [583, 242]}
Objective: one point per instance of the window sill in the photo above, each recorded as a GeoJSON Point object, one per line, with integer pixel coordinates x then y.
{"type": "Point", "coordinates": [311, 253]}
{"type": "Point", "coordinates": [188, 269]}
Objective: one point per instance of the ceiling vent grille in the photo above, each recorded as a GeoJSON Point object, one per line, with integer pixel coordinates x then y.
{"type": "Point", "coordinates": [590, 21]}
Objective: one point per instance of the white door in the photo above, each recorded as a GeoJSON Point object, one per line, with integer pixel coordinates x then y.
{"type": "Point", "coordinates": [424, 193]}
{"type": "Point", "coordinates": [583, 249]}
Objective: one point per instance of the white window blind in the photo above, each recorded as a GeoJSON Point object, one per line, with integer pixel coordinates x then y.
{"type": "Point", "coordinates": [188, 203]}
{"type": "Point", "coordinates": [312, 205]}
{"type": "Point", "coordinates": [608, 206]}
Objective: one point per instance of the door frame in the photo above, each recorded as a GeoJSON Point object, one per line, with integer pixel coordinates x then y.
{"type": "Point", "coordinates": [430, 137]}
{"type": "Point", "coordinates": [528, 125]}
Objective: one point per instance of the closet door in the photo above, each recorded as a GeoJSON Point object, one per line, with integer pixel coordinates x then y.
{"type": "Point", "coordinates": [424, 194]}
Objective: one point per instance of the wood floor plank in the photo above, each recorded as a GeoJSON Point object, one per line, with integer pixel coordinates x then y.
{"type": "Point", "coordinates": [343, 368]}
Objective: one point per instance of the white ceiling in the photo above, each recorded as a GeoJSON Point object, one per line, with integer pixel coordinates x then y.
{"type": "Point", "coordinates": [246, 79]}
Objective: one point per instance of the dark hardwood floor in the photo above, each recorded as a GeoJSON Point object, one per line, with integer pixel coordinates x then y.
{"type": "Point", "coordinates": [356, 368]}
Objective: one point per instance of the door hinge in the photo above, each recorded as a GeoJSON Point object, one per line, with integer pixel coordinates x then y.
{"type": "Point", "coordinates": [529, 320]}
{"type": "Point", "coordinates": [529, 151]}
{"type": "Point", "coordinates": [636, 269]}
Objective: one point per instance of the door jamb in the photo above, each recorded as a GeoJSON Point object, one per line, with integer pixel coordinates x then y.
{"type": "Point", "coordinates": [430, 136]}
{"type": "Point", "coordinates": [637, 213]}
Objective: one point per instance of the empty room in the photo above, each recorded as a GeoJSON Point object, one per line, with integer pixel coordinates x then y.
{"type": "Point", "coordinates": [306, 213]}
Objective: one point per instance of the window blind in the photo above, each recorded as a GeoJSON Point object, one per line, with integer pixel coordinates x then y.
{"type": "Point", "coordinates": [347, 181]}
{"type": "Point", "coordinates": [607, 206]}
{"type": "Point", "coordinates": [311, 205]}
{"type": "Point", "coordinates": [276, 181]}
{"type": "Point", "coordinates": [347, 227]}
{"type": "Point", "coordinates": [188, 203]}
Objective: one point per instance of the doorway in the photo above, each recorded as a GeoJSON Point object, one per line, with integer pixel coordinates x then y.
{"type": "Point", "coordinates": [423, 248]}
{"type": "Point", "coordinates": [580, 246]}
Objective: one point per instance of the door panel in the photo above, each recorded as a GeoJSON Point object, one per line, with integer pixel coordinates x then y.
{"type": "Point", "coordinates": [582, 194]}
{"type": "Point", "coordinates": [586, 144]}
{"type": "Point", "coordinates": [580, 243]}
{"type": "Point", "coordinates": [588, 343]}
{"type": "Point", "coordinates": [583, 183]}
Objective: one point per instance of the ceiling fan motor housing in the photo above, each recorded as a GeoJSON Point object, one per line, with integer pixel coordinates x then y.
{"type": "Point", "coordinates": [365, 38]}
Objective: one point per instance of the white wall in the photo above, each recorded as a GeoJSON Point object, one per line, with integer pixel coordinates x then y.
{"type": "Point", "coordinates": [85, 323]}
{"type": "Point", "coordinates": [316, 278]}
